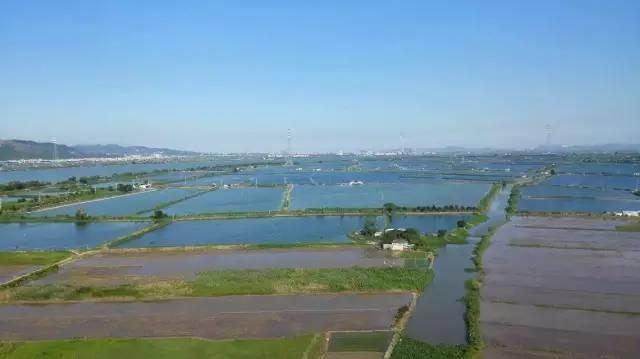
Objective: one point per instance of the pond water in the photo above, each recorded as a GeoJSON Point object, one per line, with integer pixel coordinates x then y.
{"type": "Point", "coordinates": [600, 168]}
{"type": "Point", "coordinates": [121, 206]}
{"type": "Point", "coordinates": [230, 200]}
{"type": "Point", "coordinates": [376, 195]}
{"type": "Point", "coordinates": [46, 236]}
{"type": "Point", "coordinates": [607, 182]}
{"type": "Point", "coordinates": [439, 317]}
{"type": "Point", "coordinates": [319, 229]}
{"type": "Point", "coordinates": [578, 205]}
{"type": "Point", "coordinates": [554, 192]}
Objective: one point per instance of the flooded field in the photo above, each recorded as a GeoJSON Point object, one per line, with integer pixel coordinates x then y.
{"type": "Point", "coordinates": [121, 206]}
{"type": "Point", "coordinates": [547, 198]}
{"type": "Point", "coordinates": [8, 272]}
{"type": "Point", "coordinates": [41, 236]}
{"type": "Point", "coordinates": [578, 205]}
{"type": "Point", "coordinates": [215, 318]}
{"type": "Point", "coordinates": [594, 181]}
{"type": "Point", "coordinates": [376, 195]}
{"type": "Point", "coordinates": [231, 200]}
{"type": "Point", "coordinates": [115, 269]}
{"type": "Point", "coordinates": [563, 285]}
{"type": "Point", "coordinates": [317, 229]}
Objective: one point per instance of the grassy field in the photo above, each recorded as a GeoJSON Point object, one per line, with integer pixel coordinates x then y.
{"type": "Point", "coordinates": [283, 281]}
{"type": "Point", "coordinates": [408, 348]}
{"type": "Point", "coordinates": [360, 342]}
{"type": "Point", "coordinates": [32, 258]}
{"type": "Point", "coordinates": [159, 348]}
{"type": "Point", "coordinates": [631, 227]}
{"type": "Point", "coordinates": [241, 282]}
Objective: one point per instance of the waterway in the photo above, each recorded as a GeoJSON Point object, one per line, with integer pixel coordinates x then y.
{"type": "Point", "coordinates": [439, 317]}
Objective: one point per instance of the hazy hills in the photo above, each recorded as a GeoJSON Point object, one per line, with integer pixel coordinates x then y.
{"type": "Point", "coordinates": [23, 149]}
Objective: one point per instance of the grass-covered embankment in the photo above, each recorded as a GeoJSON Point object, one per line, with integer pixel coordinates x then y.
{"type": "Point", "coordinates": [243, 282]}
{"type": "Point", "coordinates": [512, 203]}
{"type": "Point", "coordinates": [283, 348]}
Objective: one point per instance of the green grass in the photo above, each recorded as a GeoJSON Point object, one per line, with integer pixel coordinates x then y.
{"type": "Point", "coordinates": [360, 342]}
{"type": "Point", "coordinates": [286, 348]}
{"type": "Point", "coordinates": [282, 281]}
{"type": "Point", "coordinates": [631, 227]}
{"type": "Point", "coordinates": [243, 282]}
{"type": "Point", "coordinates": [514, 198]}
{"type": "Point", "coordinates": [32, 258]}
{"type": "Point", "coordinates": [408, 348]}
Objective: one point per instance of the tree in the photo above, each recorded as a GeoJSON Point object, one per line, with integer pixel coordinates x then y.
{"type": "Point", "coordinates": [369, 228]}
{"type": "Point", "coordinates": [82, 215]}
{"type": "Point", "coordinates": [158, 214]}
{"type": "Point", "coordinates": [461, 223]}
{"type": "Point", "coordinates": [442, 233]}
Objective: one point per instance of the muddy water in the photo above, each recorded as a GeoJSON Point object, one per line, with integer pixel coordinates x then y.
{"type": "Point", "coordinates": [268, 316]}
{"type": "Point", "coordinates": [439, 317]}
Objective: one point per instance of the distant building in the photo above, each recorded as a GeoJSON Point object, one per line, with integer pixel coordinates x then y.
{"type": "Point", "coordinates": [628, 213]}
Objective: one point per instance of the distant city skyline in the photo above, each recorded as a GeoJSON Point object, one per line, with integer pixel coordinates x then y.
{"type": "Point", "coordinates": [343, 76]}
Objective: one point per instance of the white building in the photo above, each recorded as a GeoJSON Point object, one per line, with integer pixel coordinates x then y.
{"type": "Point", "coordinates": [398, 245]}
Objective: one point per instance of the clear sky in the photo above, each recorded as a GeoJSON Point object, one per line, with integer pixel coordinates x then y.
{"type": "Point", "coordinates": [342, 74]}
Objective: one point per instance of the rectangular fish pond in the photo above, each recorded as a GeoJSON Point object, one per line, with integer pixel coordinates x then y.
{"type": "Point", "coordinates": [121, 206]}
{"type": "Point", "coordinates": [279, 230]}
{"type": "Point", "coordinates": [231, 200]}
{"type": "Point", "coordinates": [49, 236]}
{"type": "Point", "coordinates": [376, 195]}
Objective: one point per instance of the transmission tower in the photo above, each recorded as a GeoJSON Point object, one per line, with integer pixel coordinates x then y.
{"type": "Point", "coordinates": [55, 149]}
{"type": "Point", "coordinates": [289, 160]}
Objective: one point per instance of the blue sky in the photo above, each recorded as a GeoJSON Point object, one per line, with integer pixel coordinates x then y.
{"type": "Point", "coordinates": [343, 75]}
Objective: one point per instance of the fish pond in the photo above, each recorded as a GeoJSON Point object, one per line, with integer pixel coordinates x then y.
{"type": "Point", "coordinates": [231, 200]}
{"type": "Point", "coordinates": [122, 205]}
{"type": "Point", "coordinates": [278, 230]}
{"type": "Point", "coordinates": [376, 195]}
{"type": "Point", "coordinates": [48, 236]}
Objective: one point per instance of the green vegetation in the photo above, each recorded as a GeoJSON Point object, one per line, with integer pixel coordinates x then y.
{"type": "Point", "coordinates": [472, 317]}
{"type": "Point", "coordinates": [630, 227]}
{"type": "Point", "coordinates": [158, 215]}
{"type": "Point", "coordinates": [512, 203]}
{"type": "Point", "coordinates": [20, 185]}
{"type": "Point", "coordinates": [32, 258]}
{"type": "Point", "coordinates": [46, 200]}
{"type": "Point", "coordinates": [485, 202]}
{"type": "Point", "coordinates": [359, 342]}
{"type": "Point", "coordinates": [283, 281]}
{"type": "Point", "coordinates": [244, 282]}
{"type": "Point", "coordinates": [285, 348]}
{"type": "Point", "coordinates": [137, 234]}
{"type": "Point", "coordinates": [170, 203]}
{"type": "Point", "coordinates": [408, 348]}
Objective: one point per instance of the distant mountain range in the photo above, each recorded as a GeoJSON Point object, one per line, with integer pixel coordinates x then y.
{"type": "Point", "coordinates": [22, 149]}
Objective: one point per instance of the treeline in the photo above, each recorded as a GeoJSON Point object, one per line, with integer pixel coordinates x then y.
{"type": "Point", "coordinates": [391, 207]}
{"type": "Point", "coordinates": [20, 185]}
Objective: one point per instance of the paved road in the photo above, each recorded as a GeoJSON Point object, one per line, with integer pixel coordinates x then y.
{"type": "Point", "coordinates": [216, 318]}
